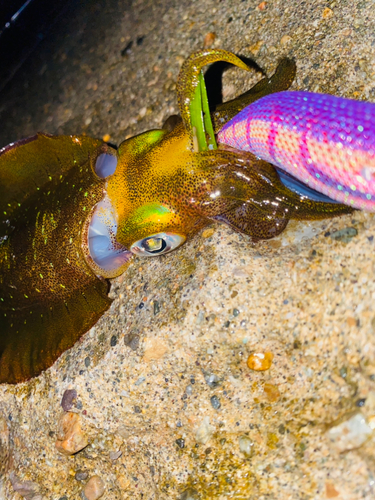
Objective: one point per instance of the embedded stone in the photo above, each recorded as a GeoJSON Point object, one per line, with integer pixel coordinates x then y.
{"type": "Point", "coordinates": [70, 437]}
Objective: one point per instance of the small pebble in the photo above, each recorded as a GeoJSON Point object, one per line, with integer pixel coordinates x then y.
{"type": "Point", "coordinates": [215, 402]}
{"type": "Point", "coordinates": [180, 443]}
{"type": "Point", "coordinates": [260, 361]}
{"type": "Point", "coordinates": [140, 381]}
{"type": "Point", "coordinates": [344, 235]}
{"type": "Point", "coordinates": [114, 455]}
{"type": "Point", "coordinates": [272, 392]}
{"type": "Point", "coordinates": [331, 491]}
{"type": "Point", "coordinates": [70, 437]}
{"type": "Point", "coordinates": [132, 341]}
{"type": "Point", "coordinates": [27, 489]}
{"type": "Point", "coordinates": [327, 13]}
{"type": "Point", "coordinates": [200, 318]}
{"type": "Point", "coordinates": [113, 340]}
{"type": "Point", "coordinates": [246, 446]}
{"type": "Point", "coordinates": [156, 307]}
{"type": "Point", "coordinates": [207, 43]}
{"type": "Point", "coordinates": [207, 233]}
{"type": "Point", "coordinates": [87, 362]}
{"type": "Point", "coordinates": [285, 40]}
{"type": "Point", "coordinates": [211, 379]}
{"type": "Point", "coordinates": [189, 390]}
{"type": "Point", "coordinates": [94, 488]}
{"type": "Point", "coordinates": [281, 429]}
{"type": "Point", "coordinates": [81, 475]}
{"type": "Point", "coordinates": [69, 396]}
{"type": "Point", "coordinates": [125, 52]}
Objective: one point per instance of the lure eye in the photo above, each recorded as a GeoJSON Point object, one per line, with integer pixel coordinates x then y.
{"type": "Point", "coordinates": [157, 244]}
{"type": "Point", "coordinates": [105, 165]}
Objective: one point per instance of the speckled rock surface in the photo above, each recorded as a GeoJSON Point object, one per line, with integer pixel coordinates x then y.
{"type": "Point", "coordinates": [166, 399]}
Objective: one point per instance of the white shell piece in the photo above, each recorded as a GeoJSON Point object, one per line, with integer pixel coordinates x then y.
{"type": "Point", "coordinates": [350, 434]}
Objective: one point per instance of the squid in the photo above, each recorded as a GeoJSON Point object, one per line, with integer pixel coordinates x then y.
{"type": "Point", "coordinates": [75, 211]}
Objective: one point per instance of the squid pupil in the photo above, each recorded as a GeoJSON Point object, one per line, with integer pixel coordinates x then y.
{"type": "Point", "coordinates": [154, 245]}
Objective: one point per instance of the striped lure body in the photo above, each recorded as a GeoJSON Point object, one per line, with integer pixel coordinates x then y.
{"type": "Point", "coordinates": [326, 142]}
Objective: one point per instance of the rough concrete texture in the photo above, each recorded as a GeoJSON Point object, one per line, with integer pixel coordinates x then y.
{"type": "Point", "coordinates": [164, 394]}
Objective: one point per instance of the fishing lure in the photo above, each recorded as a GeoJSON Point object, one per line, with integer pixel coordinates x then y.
{"type": "Point", "coordinates": [74, 212]}
{"type": "Point", "coordinates": [326, 142]}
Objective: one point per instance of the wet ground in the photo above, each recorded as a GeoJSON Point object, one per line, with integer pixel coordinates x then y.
{"type": "Point", "coordinates": [165, 396]}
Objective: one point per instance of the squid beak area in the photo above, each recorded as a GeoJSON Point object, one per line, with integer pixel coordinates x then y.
{"type": "Point", "coordinates": [103, 253]}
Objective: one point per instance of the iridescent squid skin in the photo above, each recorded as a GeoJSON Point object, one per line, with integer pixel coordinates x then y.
{"type": "Point", "coordinates": [74, 212]}
{"type": "Point", "coordinates": [326, 142]}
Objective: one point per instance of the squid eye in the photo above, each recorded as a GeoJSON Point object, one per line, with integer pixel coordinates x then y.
{"type": "Point", "coordinates": [105, 165]}
{"type": "Point", "coordinates": [157, 244]}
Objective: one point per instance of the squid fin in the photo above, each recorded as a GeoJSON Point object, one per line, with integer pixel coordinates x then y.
{"type": "Point", "coordinates": [32, 339]}
{"type": "Point", "coordinates": [49, 296]}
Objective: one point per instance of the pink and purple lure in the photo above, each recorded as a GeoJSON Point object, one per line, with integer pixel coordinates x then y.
{"type": "Point", "coordinates": [326, 142]}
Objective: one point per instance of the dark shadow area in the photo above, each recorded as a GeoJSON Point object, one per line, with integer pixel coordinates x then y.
{"type": "Point", "coordinates": [46, 59]}
{"type": "Point", "coordinates": [23, 25]}
{"type": "Point", "coordinates": [214, 79]}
